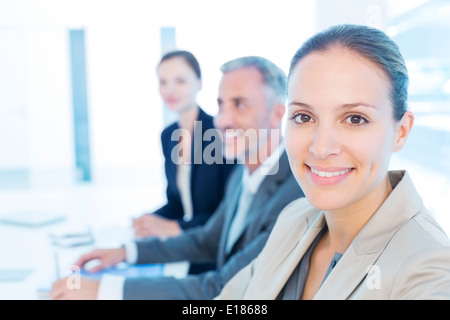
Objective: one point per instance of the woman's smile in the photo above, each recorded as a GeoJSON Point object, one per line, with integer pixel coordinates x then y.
{"type": "Point", "coordinates": [327, 176]}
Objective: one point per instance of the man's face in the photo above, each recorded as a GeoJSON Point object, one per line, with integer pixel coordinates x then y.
{"type": "Point", "coordinates": [243, 113]}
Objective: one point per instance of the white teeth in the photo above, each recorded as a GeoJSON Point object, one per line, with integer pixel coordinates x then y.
{"type": "Point", "coordinates": [328, 174]}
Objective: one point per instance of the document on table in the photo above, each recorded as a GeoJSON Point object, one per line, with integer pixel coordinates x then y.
{"type": "Point", "coordinates": [9, 275]}
{"type": "Point", "coordinates": [32, 218]}
{"type": "Point", "coordinates": [72, 237]}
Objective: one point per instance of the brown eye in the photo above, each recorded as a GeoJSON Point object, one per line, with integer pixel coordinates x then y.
{"type": "Point", "coordinates": [356, 120]}
{"type": "Point", "coordinates": [302, 118]}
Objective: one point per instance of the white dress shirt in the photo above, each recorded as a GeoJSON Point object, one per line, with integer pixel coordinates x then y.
{"type": "Point", "coordinates": [250, 185]}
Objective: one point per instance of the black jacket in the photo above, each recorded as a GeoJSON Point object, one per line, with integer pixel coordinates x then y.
{"type": "Point", "coordinates": [207, 180]}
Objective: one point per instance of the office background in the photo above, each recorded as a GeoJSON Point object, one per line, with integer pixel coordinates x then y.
{"type": "Point", "coordinates": [80, 113]}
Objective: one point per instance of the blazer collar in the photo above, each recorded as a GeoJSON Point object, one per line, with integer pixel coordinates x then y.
{"type": "Point", "coordinates": [268, 186]}
{"type": "Point", "coordinates": [201, 116]}
{"type": "Point", "coordinates": [271, 182]}
{"type": "Point", "coordinates": [401, 205]}
{"type": "Point", "coordinates": [173, 142]}
{"type": "Point", "coordinates": [283, 256]}
{"type": "Point", "coordinates": [197, 148]}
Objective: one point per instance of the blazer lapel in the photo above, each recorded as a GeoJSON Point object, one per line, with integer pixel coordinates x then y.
{"type": "Point", "coordinates": [401, 205]}
{"type": "Point", "coordinates": [233, 200]}
{"type": "Point", "coordinates": [172, 167]}
{"type": "Point", "coordinates": [349, 272]}
{"type": "Point", "coordinates": [268, 187]}
{"type": "Point", "coordinates": [281, 256]}
{"type": "Point", "coordinates": [284, 257]}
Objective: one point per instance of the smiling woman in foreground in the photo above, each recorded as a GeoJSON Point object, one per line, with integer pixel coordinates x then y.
{"type": "Point", "coordinates": [363, 231]}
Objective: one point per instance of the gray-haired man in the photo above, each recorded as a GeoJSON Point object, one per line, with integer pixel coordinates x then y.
{"type": "Point", "coordinates": [251, 107]}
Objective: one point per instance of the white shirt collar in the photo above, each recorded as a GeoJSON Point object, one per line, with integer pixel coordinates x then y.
{"type": "Point", "coordinates": [253, 181]}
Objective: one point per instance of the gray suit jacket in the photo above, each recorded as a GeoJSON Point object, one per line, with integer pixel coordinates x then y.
{"type": "Point", "coordinates": [207, 243]}
{"type": "Point", "coordinates": [401, 253]}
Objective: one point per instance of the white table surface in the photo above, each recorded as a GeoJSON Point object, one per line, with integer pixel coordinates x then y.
{"type": "Point", "coordinates": [106, 211]}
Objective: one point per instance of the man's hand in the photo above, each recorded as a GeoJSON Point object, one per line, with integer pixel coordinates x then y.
{"type": "Point", "coordinates": [107, 257]}
{"type": "Point", "coordinates": [150, 225]}
{"type": "Point", "coordinates": [75, 289]}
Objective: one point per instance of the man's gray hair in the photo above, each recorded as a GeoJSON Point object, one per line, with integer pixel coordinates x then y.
{"type": "Point", "coordinates": [273, 76]}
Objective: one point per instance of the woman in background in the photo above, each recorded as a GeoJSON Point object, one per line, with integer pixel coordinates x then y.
{"type": "Point", "coordinates": [194, 190]}
{"type": "Point", "coordinates": [362, 232]}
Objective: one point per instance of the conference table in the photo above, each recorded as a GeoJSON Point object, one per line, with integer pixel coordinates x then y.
{"type": "Point", "coordinates": [31, 260]}
{"type": "Point", "coordinates": [32, 257]}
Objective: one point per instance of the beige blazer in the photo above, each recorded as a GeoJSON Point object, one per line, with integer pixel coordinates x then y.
{"type": "Point", "coordinates": [401, 253]}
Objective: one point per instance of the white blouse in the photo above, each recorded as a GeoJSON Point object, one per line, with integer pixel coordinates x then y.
{"type": "Point", "coordinates": [184, 187]}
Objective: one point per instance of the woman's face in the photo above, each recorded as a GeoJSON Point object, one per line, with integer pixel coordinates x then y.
{"type": "Point", "coordinates": [178, 84]}
{"type": "Point", "coordinates": [340, 131]}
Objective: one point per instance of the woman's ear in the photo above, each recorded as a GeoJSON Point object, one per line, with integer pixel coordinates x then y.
{"type": "Point", "coordinates": [404, 127]}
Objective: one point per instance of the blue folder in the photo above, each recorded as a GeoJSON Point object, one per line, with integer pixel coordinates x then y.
{"type": "Point", "coordinates": [129, 271]}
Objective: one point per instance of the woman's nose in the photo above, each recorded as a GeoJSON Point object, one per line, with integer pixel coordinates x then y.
{"type": "Point", "coordinates": [325, 142]}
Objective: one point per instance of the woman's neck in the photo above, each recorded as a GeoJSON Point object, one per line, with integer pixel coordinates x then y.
{"type": "Point", "coordinates": [345, 223]}
{"type": "Point", "coordinates": [187, 117]}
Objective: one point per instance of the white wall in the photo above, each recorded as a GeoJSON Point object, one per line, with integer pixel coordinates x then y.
{"type": "Point", "coordinates": [225, 30]}
{"type": "Point", "coordinates": [36, 120]}
{"type": "Point", "coordinates": [122, 51]}
{"type": "Point", "coordinates": [14, 142]}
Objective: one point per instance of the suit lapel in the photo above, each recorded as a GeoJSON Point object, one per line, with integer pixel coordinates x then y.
{"type": "Point", "coordinates": [347, 275]}
{"type": "Point", "coordinates": [172, 166]}
{"type": "Point", "coordinates": [349, 272]}
{"type": "Point", "coordinates": [233, 200]}
{"type": "Point", "coordinates": [267, 188]}
{"type": "Point", "coordinates": [281, 256]}
{"type": "Point", "coordinates": [284, 257]}
{"type": "Point", "coordinates": [230, 200]}
{"type": "Point", "coordinates": [370, 242]}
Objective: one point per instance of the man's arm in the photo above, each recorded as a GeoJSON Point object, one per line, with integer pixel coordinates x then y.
{"type": "Point", "coordinates": [197, 245]}
{"type": "Point", "coordinates": [204, 286]}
